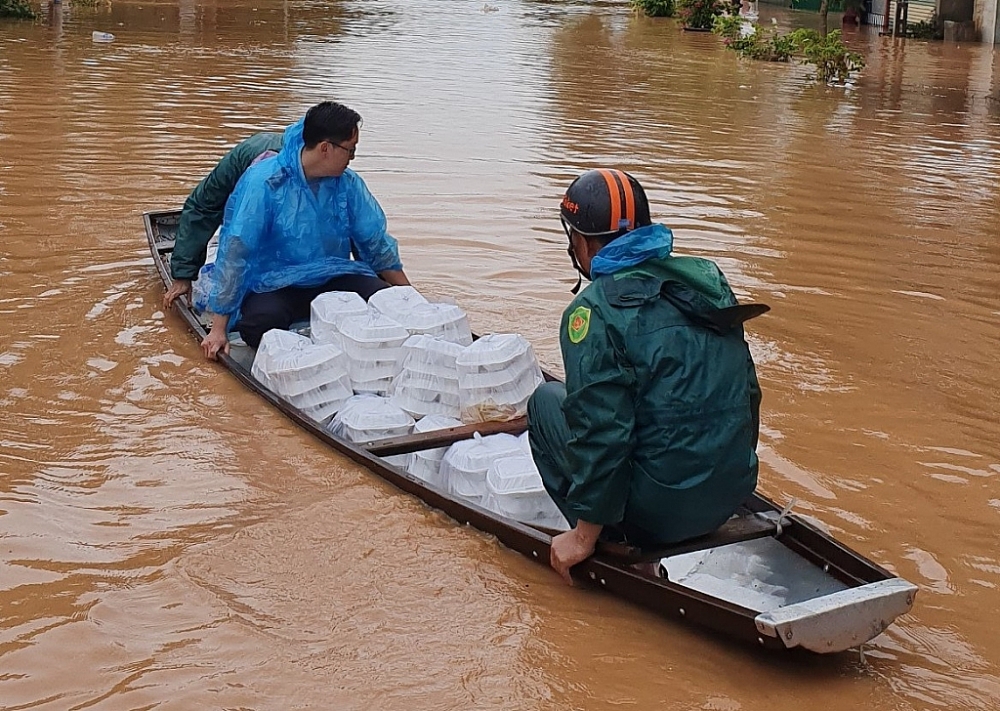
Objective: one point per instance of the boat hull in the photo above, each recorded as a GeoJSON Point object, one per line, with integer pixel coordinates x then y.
{"type": "Point", "coordinates": [866, 600]}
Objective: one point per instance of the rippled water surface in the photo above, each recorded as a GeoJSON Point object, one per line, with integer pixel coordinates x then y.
{"type": "Point", "coordinates": [168, 542]}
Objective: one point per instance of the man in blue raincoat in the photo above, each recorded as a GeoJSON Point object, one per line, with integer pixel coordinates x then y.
{"type": "Point", "coordinates": [653, 435]}
{"type": "Point", "coordinates": [290, 229]}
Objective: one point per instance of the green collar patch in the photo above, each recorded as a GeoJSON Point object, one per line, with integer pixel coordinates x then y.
{"type": "Point", "coordinates": [579, 324]}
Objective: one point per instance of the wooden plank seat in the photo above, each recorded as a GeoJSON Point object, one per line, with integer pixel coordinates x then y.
{"type": "Point", "coordinates": [165, 247]}
{"type": "Point", "coordinates": [442, 438]}
{"type": "Point", "coordinates": [744, 526]}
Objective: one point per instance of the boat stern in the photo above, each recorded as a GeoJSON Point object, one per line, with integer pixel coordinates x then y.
{"type": "Point", "coordinates": [840, 620]}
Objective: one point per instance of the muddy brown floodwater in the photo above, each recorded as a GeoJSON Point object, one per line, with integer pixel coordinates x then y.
{"type": "Point", "coordinates": [167, 541]}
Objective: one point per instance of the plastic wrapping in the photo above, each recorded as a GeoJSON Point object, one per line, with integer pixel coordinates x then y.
{"type": "Point", "coordinates": [496, 376]}
{"type": "Point", "coordinates": [525, 443]}
{"type": "Point", "coordinates": [445, 321]}
{"type": "Point", "coordinates": [368, 418]}
{"type": "Point", "coordinates": [464, 465]}
{"type": "Point", "coordinates": [272, 343]}
{"type": "Point", "coordinates": [426, 464]}
{"type": "Point", "coordinates": [327, 311]}
{"type": "Point", "coordinates": [373, 344]}
{"type": "Point", "coordinates": [395, 301]}
{"type": "Point", "coordinates": [310, 377]}
{"type": "Point", "coordinates": [202, 287]}
{"type": "Point", "coordinates": [515, 490]}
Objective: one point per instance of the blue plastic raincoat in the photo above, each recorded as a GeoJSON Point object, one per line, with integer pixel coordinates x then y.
{"type": "Point", "coordinates": [278, 232]}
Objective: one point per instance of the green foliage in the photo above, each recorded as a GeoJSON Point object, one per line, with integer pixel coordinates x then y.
{"type": "Point", "coordinates": [757, 43]}
{"type": "Point", "coordinates": [699, 14]}
{"type": "Point", "coordinates": [727, 27]}
{"type": "Point", "coordinates": [654, 8]}
{"type": "Point", "coordinates": [17, 8]}
{"type": "Point", "coordinates": [932, 29]}
{"type": "Point", "coordinates": [833, 60]}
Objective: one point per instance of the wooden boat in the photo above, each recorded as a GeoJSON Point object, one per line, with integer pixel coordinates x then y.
{"type": "Point", "coordinates": [767, 577]}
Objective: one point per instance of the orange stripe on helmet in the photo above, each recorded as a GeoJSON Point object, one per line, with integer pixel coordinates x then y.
{"type": "Point", "coordinates": [629, 199]}
{"type": "Point", "coordinates": [614, 197]}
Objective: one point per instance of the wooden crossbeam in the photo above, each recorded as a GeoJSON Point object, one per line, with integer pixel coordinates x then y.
{"type": "Point", "coordinates": [442, 438]}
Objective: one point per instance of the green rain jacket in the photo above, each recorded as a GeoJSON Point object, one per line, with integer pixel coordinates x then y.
{"type": "Point", "coordinates": [663, 411]}
{"type": "Point", "coordinates": [205, 206]}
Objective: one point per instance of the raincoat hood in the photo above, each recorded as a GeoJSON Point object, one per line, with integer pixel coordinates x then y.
{"type": "Point", "coordinates": [634, 248]}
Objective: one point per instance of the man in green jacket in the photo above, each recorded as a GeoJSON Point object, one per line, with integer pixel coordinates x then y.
{"type": "Point", "coordinates": [652, 438]}
{"type": "Point", "coordinates": [204, 208]}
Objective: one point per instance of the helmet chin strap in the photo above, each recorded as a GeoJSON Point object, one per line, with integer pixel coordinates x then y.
{"type": "Point", "coordinates": [579, 269]}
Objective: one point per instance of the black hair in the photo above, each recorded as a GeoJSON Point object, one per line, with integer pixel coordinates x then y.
{"type": "Point", "coordinates": [329, 121]}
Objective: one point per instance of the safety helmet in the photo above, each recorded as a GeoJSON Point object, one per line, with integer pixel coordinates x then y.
{"type": "Point", "coordinates": [604, 202]}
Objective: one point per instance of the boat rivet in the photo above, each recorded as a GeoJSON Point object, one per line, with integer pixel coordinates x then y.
{"type": "Point", "coordinates": [593, 575]}
{"type": "Point", "coordinates": [534, 553]}
{"type": "Point", "coordinates": [681, 610]}
{"type": "Point", "coordinates": [788, 634]}
{"type": "Point", "coordinates": [602, 582]}
{"type": "Point", "coordinates": [826, 568]}
{"type": "Point", "coordinates": [761, 640]}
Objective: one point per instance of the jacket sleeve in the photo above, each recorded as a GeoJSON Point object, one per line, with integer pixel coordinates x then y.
{"type": "Point", "coordinates": [600, 413]}
{"type": "Point", "coordinates": [205, 206]}
{"type": "Point", "coordinates": [246, 225]}
{"type": "Point", "coordinates": [375, 246]}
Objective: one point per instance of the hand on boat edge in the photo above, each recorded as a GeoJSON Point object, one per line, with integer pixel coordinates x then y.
{"type": "Point", "coordinates": [179, 288]}
{"type": "Point", "coordinates": [215, 342]}
{"type": "Point", "coordinates": [572, 547]}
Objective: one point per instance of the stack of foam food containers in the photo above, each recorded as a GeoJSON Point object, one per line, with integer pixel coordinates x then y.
{"type": "Point", "coordinates": [374, 347]}
{"type": "Point", "coordinates": [311, 377]}
{"type": "Point", "coordinates": [496, 376]}
{"type": "Point", "coordinates": [327, 311]}
{"type": "Point", "coordinates": [369, 418]}
{"type": "Point", "coordinates": [514, 489]}
{"type": "Point", "coordinates": [464, 465]}
{"type": "Point", "coordinates": [426, 464]}
{"type": "Point", "coordinates": [407, 306]}
{"type": "Point", "coordinates": [427, 383]}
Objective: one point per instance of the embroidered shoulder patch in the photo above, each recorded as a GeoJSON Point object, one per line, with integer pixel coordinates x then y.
{"type": "Point", "coordinates": [579, 324]}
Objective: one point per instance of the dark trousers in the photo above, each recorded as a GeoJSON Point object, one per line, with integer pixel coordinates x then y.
{"type": "Point", "coordinates": [280, 309]}
{"type": "Point", "coordinates": [549, 437]}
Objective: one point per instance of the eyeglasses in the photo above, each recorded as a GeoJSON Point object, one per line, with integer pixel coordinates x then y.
{"type": "Point", "coordinates": [351, 152]}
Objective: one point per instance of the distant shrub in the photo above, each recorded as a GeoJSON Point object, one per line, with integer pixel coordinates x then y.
{"type": "Point", "coordinates": [833, 60]}
{"type": "Point", "coordinates": [17, 8]}
{"type": "Point", "coordinates": [655, 8]}
{"type": "Point", "coordinates": [752, 41]}
{"type": "Point", "coordinates": [699, 14]}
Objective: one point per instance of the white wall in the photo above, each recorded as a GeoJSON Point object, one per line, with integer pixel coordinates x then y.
{"type": "Point", "coordinates": [987, 20]}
